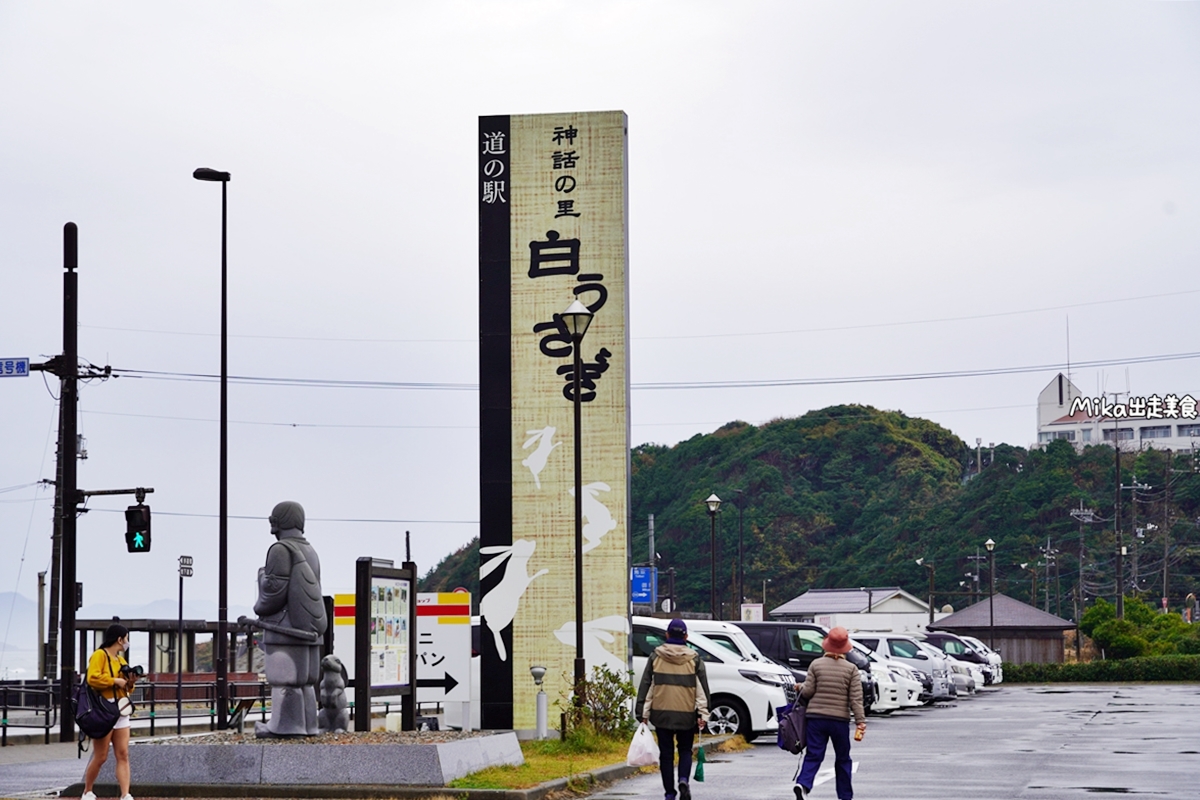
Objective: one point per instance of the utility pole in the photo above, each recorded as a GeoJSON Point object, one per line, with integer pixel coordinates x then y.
{"type": "Point", "coordinates": [1166, 531]}
{"type": "Point", "coordinates": [68, 400]}
{"type": "Point", "coordinates": [55, 547]}
{"type": "Point", "coordinates": [653, 554]}
{"type": "Point", "coordinates": [975, 596]}
{"type": "Point", "coordinates": [41, 626]}
{"type": "Point", "coordinates": [1117, 525]}
{"type": "Point", "coordinates": [1082, 515]}
{"type": "Point", "coordinates": [1137, 535]}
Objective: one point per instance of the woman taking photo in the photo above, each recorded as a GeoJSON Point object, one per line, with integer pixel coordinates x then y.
{"type": "Point", "coordinates": [104, 675]}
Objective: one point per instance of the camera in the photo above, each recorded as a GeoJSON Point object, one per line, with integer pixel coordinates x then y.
{"type": "Point", "coordinates": [135, 671]}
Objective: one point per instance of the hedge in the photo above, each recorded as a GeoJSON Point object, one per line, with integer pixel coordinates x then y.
{"type": "Point", "coordinates": [1150, 668]}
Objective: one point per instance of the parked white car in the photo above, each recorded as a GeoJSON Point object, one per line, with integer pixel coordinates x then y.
{"type": "Point", "coordinates": [730, 635]}
{"type": "Point", "coordinates": [991, 655]}
{"type": "Point", "coordinates": [895, 679]}
{"type": "Point", "coordinates": [961, 682]}
{"type": "Point", "coordinates": [932, 671]}
{"type": "Point", "coordinates": [745, 693]}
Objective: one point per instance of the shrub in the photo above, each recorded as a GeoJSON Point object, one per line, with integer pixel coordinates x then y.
{"type": "Point", "coordinates": [606, 711]}
{"type": "Point", "coordinates": [1154, 668]}
{"type": "Point", "coordinates": [1101, 611]}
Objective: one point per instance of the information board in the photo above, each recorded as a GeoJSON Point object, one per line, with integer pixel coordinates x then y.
{"type": "Point", "coordinates": [390, 600]}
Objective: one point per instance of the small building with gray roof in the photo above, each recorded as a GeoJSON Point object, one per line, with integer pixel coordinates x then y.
{"type": "Point", "coordinates": [1023, 634]}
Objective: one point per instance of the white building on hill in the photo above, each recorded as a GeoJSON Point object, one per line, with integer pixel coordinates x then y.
{"type": "Point", "coordinates": [1134, 421]}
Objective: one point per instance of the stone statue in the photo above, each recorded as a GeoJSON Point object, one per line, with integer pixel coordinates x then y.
{"type": "Point", "coordinates": [291, 613]}
{"type": "Point", "coordinates": [334, 718]}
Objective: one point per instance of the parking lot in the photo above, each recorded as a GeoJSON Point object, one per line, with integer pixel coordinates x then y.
{"type": "Point", "coordinates": [1058, 741]}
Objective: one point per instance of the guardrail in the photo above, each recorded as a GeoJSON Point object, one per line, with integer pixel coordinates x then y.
{"type": "Point", "coordinates": [28, 704]}
{"type": "Point", "coordinates": [158, 701]}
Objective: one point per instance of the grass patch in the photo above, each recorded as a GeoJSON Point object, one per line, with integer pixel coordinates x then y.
{"type": "Point", "coordinates": [734, 744]}
{"type": "Point", "coordinates": [548, 760]}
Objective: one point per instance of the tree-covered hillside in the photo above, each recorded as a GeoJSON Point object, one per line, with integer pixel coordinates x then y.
{"type": "Point", "coordinates": [851, 496]}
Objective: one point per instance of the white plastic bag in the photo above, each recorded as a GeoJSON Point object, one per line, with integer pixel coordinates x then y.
{"type": "Point", "coordinates": [643, 750]}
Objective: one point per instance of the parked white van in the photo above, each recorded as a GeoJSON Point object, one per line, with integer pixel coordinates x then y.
{"type": "Point", "coordinates": [745, 692]}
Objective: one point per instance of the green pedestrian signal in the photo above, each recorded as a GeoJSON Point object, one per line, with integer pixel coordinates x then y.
{"type": "Point", "coordinates": [137, 529]}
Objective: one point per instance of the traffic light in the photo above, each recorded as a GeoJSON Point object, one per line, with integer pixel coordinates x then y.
{"type": "Point", "coordinates": [137, 529]}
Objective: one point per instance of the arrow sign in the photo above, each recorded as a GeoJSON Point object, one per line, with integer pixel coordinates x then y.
{"type": "Point", "coordinates": [446, 684]}
{"type": "Point", "coordinates": [443, 647]}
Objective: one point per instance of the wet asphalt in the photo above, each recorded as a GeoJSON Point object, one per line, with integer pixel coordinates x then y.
{"type": "Point", "coordinates": [1053, 742]}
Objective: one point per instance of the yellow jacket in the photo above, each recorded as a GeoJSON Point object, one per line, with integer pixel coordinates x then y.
{"type": "Point", "coordinates": [101, 672]}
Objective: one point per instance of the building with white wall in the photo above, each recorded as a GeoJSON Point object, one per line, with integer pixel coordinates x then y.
{"type": "Point", "coordinates": [1134, 421]}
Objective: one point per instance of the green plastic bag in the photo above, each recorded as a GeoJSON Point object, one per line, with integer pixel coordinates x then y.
{"type": "Point", "coordinates": [699, 774]}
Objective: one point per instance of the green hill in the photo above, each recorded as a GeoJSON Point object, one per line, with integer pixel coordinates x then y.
{"type": "Point", "coordinates": [852, 496]}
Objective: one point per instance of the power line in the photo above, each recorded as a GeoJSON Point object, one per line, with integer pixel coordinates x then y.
{"type": "Point", "coordinates": [260, 518]}
{"type": "Point", "coordinates": [336, 425]}
{"type": "Point", "coordinates": [662, 385]}
{"type": "Point", "coordinates": [830, 329]}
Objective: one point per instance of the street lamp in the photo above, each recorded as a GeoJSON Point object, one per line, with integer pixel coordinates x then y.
{"type": "Point", "coordinates": [714, 505]}
{"type": "Point", "coordinates": [222, 648]}
{"type": "Point", "coordinates": [930, 567]}
{"type": "Point", "coordinates": [991, 546]}
{"type": "Point", "coordinates": [577, 318]}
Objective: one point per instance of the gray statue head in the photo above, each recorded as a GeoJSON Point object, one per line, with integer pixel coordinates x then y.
{"type": "Point", "coordinates": [287, 515]}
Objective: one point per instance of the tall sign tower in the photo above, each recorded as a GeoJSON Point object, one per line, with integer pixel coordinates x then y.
{"type": "Point", "coordinates": [553, 202]}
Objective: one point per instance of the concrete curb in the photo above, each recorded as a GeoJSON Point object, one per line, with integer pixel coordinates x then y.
{"type": "Point", "coordinates": [592, 779]}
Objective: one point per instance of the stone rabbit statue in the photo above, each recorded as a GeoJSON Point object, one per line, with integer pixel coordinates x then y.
{"type": "Point", "coordinates": [333, 716]}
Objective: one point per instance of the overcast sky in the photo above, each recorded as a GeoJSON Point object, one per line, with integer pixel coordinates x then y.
{"type": "Point", "coordinates": [817, 190]}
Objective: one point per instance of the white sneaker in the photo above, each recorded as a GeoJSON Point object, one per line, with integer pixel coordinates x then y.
{"type": "Point", "coordinates": [88, 796]}
{"type": "Point", "coordinates": [127, 797]}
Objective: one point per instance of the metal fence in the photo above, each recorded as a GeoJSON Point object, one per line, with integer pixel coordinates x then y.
{"type": "Point", "coordinates": [34, 704]}
{"type": "Point", "coordinates": [28, 704]}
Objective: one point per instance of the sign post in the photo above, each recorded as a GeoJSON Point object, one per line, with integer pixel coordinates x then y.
{"type": "Point", "coordinates": [384, 624]}
{"type": "Point", "coordinates": [185, 571]}
{"type": "Point", "coordinates": [644, 585]}
{"type": "Point", "coordinates": [444, 650]}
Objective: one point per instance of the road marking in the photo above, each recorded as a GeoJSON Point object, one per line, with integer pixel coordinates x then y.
{"type": "Point", "coordinates": [826, 774]}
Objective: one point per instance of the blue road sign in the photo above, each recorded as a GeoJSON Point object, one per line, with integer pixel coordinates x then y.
{"type": "Point", "coordinates": [644, 585]}
{"type": "Point", "coordinates": [14, 367]}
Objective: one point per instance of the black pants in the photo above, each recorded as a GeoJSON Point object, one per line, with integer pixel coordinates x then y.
{"type": "Point", "coordinates": [666, 756]}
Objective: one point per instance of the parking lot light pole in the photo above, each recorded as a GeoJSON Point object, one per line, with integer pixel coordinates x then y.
{"type": "Point", "coordinates": [991, 546]}
{"type": "Point", "coordinates": [930, 567]}
{"type": "Point", "coordinates": [714, 505]}
{"type": "Point", "coordinates": [221, 650]}
{"type": "Point", "coordinates": [577, 318]}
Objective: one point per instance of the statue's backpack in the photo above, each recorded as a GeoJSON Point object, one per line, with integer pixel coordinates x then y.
{"type": "Point", "coordinates": [306, 606]}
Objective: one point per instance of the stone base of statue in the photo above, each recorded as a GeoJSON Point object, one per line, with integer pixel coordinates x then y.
{"type": "Point", "coordinates": [179, 766]}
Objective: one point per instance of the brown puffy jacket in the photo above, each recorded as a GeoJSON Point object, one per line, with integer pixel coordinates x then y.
{"type": "Point", "coordinates": [833, 689]}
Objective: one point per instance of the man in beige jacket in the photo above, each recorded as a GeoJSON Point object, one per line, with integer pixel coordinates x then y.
{"type": "Point", "coordinates": [673, 696]}
{"type": "Point", "coordinates": [833, 689]}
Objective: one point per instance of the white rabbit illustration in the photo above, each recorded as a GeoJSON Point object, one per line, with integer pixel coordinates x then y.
{"type": "Point", "coordinates": [499, 605]}
{"type": "Point", "coordinates": [599, 520]}
{"type": "Point", "coordinates": [538, 458]}
{"type": "Point", "coordinates": [597, 633]}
